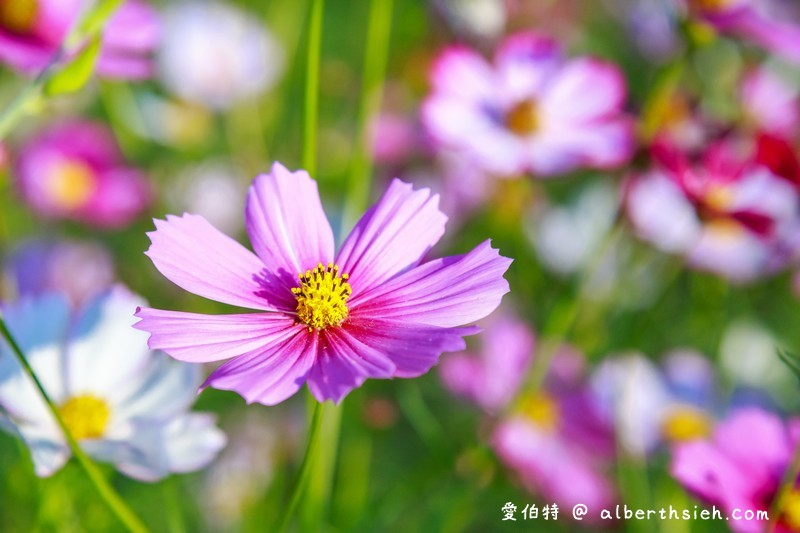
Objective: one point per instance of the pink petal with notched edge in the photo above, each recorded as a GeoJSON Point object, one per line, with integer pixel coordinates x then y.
{"type": "Point", "coordinates": [414, 348]}
{"type": "Point", "coordinates": [584, 90]}
{"type": "Point", "coordinates": [392, 236]}
{"type": "Point", "coordinates": [198, 338]}
{"type": "Point", "coordinates": [195, 256]}
{"type": "Point", "coordinates": [446, 292]}
{"type": "Point", "coordinates": [343, 363]}
{"type": "Point", "coordinates": [462, 74]}
{"type": "Point", "coordinates": [272, 374]}
{"type": "Point", "coordinates": [286, 223]}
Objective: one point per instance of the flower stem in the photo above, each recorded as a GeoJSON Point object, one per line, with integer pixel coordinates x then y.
{"type": "Point", "coordinates": [104, 488]}
{"type": "Point", "coordinates": [31, 96]}
{"type": "Point", "coordinates": [305, 467]}
{"type": "Point", "coordinates": [563, 318]}
{"type": "Point", "coordinates": [787, 484]}
{"type": "Point", "coordinates": [375, 60]}
{"type": "Point", "coordinates": [312, 87]}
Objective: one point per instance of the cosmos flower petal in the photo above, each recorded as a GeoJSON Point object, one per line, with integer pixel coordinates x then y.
{"type": "Point", "coordinates": [392, 236]}
{"type": "Point", "coordinates": [343, 363]}
{"type": "Point", "coordinates": [413, 348]}
{"type": "Point", "coordinates": [584, 90]}
{"type": "Point", "coordinates": [192, 254]}
{"type": "Point", "coordinates": [709, 474]}
{"type": "Point", "coordinates": [198, 338]}
{"type": "Point", "coordinates": [168, 388]}
{"type": "Point", "coordinates": [286, 223]}
{"type": "Point", "coordinates": [48, 455]}
{"type": "Point", "coordinates": [463, 74]}
{"type": "Point", "coordinates": [271, 374]}
{"type": "Point", "coordinates": [38, 325]}
{"type": "Point", "coordinates": [106, 352]}
{"type": "Point", "coordinates": [185, 444]}
{"type": "Point", "coordinates": [603, 144]}
{"type": "Point", "coordinates": [446, 292]}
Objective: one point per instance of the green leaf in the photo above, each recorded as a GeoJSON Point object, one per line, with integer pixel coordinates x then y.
{"type": "Point", "coordinates": [790, 360]}
{"type": "Point", "coordinates": [93, 22]}
{"type": "Point", "coordinates": [76, 74]}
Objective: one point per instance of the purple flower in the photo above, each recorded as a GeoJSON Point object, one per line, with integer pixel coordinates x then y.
{"type": "Point", "coordinates": [492, 378]}
{"type": "Point", "coordinates": [759, 21]}
{"type": "Point", "coordinates": [78, 270]}
{"type": "Point", "coordinates": [557, 443]}
{"type": "Point", "coordinates": [741, 467]}
{"type": "Point", "coordinates": [530, 111]}
{"type": "Point", "coordinates": [31, 31]}
{"type": "Point", "coordinates": [374, 309]}
{"type": "Point", "coordinates": [75, 170]}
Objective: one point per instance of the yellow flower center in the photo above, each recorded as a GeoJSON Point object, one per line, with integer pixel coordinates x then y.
{"type": "Point", "coordinates": [86, 416]}
{"type": "Point", "coordinates": [322, 297]}
{"type": "Point", "coordinates": [18, 16]}
{"type": "Point", "coordinates": [686, 423]}
{"type": "Point", "coordinates": [541, 409]}
{"type": "Point", "coordinates": [523, 118]}
{"type": "Point", "coordinates": [71, 184]}
{"type": "Point", "coordinates": [790, 509]}
{"type": "Point", "coordinates": [719, 197]}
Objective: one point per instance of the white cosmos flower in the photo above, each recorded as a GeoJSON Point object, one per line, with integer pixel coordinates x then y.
{"type": "Point", "coordinates": [125, 404]}
{"type": "Point", "coordinates": [214, 54]}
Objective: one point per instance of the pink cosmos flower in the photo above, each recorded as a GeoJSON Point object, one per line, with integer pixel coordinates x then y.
{"type": "Point", "coordinates": [374, 309]}
{"type": "Point", "coordinates": [531, 111]}
{"type": "Point", "coordinates": [31, 32]}
{"type": "Point", "coordinates": [492, 377]}
{"type": "Point", "coordinates": [759, 21]}
{"type": "Point", "coordinates": [727, 214]}
{"type": "Point", "coordinates": [557, 443]}
{"type": "Point", "coordinates": [75, 170]}
{"type": "Point", "coordinates": [741, 467]}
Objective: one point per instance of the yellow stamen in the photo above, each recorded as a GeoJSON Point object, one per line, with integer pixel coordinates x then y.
{"type": "Point", "coordinates": [686, 423]}
{"type": "Point", "coordinates": [18, 16]}
{"type": "Point", "coordinates": [322, 297]}
{"type": "Point", "coordinates": [86, 416]}
{"type": "Point", "coordinates": [71, 184]}
{"type": "Point", "coordinates": [790, 509]}
{"type": "Point", "coordinates": [523, 118]}
{"type": "Point", "coordinates": [541, 409]}
{"type": "Point", "coordinates": [719, 197]}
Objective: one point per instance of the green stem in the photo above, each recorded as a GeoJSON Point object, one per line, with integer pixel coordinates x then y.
{"type": "Point", "coordinates": [787, 485]}
{"type": "Point", "coordinates": [312, 88]}
{"type": "Point", "coordinates": [375, 60]}
{"type": "Point", "coordinates": [89, 26]}
{"type": "Point", "coordinates": [564, 316]}
{"type": "Point", "coordinates": [306, 466]}
{"type": "Point", "coordinates": [104, 488]}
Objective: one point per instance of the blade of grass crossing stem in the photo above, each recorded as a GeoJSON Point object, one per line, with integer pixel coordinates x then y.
{"type": "Point", "coordinates": [104, 488]}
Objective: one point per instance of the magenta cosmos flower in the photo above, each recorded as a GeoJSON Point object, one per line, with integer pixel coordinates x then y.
{"type": "Point", "coordinates": [372, 310]}
{"type": "Point", "coordinates": [31, 31]}
{"type": "Point", "coordinates": [530, 111]}
{"type": "Point", "coordinates": [762, 22]}
{"type": "Point", "coordinates": [728, 214]}
{"type": "Point", "coordinates": [74, 170]}
{"type": "Point", "coordinates": [741, 467]}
